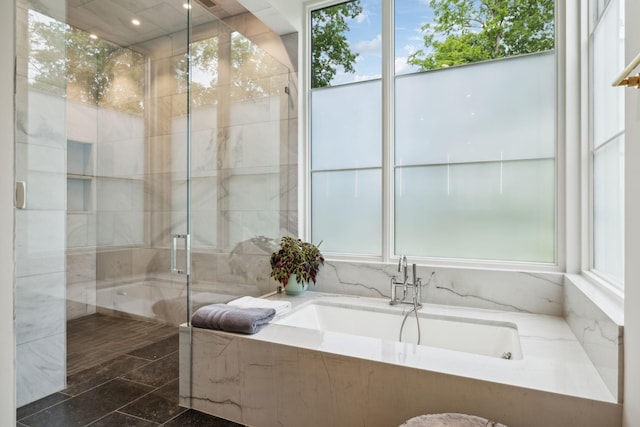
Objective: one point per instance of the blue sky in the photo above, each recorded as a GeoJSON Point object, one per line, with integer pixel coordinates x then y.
{"type": "Point", "coordinates": [365, 37]}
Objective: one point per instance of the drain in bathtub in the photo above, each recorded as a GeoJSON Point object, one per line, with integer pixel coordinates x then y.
{"type": "Point", "coordinates": [506, 355]}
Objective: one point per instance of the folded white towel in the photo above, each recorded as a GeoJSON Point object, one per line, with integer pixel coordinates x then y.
{"type": "Point", "coordinates": [250, 302]}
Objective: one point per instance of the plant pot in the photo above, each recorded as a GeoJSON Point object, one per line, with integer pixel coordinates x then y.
{"type": "Point", "coordinates": [294, 287]}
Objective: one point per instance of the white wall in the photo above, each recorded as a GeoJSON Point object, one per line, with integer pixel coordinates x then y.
{"type": "Point", "coordinates": [7, 373]}
{"type": "Point", "coordinates": [632, 224]}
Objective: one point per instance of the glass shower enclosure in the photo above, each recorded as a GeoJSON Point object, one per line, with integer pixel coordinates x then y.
{"type": "Point", "coordinates": [152, 139]}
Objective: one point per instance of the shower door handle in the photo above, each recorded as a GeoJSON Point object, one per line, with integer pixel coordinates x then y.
{"type": "Point", "coordinates": [174, 254]}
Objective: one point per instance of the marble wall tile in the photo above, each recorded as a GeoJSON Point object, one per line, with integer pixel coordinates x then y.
{"type": "Point", "coordinates": [204, 158]}
{"type": "Point", "coordinates": [46, 191]}
{"type": "Point", "coordinates": [81, 265]}
{"type": "Point", "coordinates": [120, 228]}
{"type": "Point", "coordinates": [203, 229]}
{"type": "Point", "coordinates": [245, 225]}
{"type": "Point", "coordinates": [38, 158]}
{"type": "Point", "coordinates": [40, 237]}
{"type": "Point", "coordinates": [40, 370]}
{"type": "Point", "coordinates": [43, 120]}
{"type": "Point", "coordinates": [114, 125]}
{"type": "Point", "coordinates": [40, 307]}
{"type": "Point", "coordinates": [540, 293]}
{"type": "Point", "coordinates": [248, 112]}
{"type": "Point", "coordinates": [114, 265]}
{"type": "Point", "coordinates": [81, 230]}
{"type": "Point", "coordinates": [123, 158]}
{"type": "Point", "coordinates": [254, 145]}
{"type": "Point", "coordinates": [82, 122]}
{"type": "Point", "coordinates": [81, 300]}
{"type": "Point", "coordinates": [254, 192]}
{"type": "Point", "coordinates": [204, 118]}
{"type": "Point", "coordinates": [600, 336]}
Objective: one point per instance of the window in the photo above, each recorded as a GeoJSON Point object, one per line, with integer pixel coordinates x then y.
{"type": "Point", "coordinates": [346, 153]}
{"type": "Point", "coordinates": [607, 139]}
{"type": "Point", "coordinates": [465, 153]}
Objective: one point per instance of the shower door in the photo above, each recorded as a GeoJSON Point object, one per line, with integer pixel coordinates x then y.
{"type": "Point", "coordinates": [145, 131]}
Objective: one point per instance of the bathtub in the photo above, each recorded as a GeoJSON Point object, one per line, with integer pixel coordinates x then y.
{"type": "Point", "coordinates": [337, 360]}
{"type": "Point", "coordinates": [477, 336]}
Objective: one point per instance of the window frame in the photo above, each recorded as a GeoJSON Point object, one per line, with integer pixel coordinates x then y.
{"type": "Point", "coordinates": [388, 131]}
{"type": "Point", "coordinates": [610, 286]}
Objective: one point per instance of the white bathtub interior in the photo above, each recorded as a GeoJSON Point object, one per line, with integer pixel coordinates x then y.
{"type": "Point", "coordinates": [478, 336]}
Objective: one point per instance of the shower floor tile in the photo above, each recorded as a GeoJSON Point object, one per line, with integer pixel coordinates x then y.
{"type": "Point", "coordinates": [121, 372]}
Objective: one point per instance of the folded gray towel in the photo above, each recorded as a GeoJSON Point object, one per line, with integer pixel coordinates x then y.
{"type": "Point", "coordinates": [232, 319]}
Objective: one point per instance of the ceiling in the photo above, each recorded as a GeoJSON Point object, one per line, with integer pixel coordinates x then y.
{"type": "Point", "coordinates": [111, 19]}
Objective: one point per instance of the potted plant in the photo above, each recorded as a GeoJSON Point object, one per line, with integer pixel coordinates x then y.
{"type": "Point", "coordinates": [295, 264]}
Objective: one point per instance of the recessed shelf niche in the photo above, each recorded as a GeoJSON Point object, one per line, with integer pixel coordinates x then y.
{"type": "Point", "coordinates": [80, 178]}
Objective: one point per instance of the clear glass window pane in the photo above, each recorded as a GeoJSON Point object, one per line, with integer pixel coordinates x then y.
{"type": "Point", "coordinates": [346, 211]}
{"type": "Point", "coordinates": [494, 210]}
{"type": "Point", "coordinates": [608, 209]}
{"type": "Point", "coordinates": [431, 35]}
{"type": "Point", "coordinates": [346, 43]}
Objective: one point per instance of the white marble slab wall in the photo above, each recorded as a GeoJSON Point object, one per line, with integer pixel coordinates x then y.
{"type": "Point", "coordinates": [535, 292]}
{"type": "Point", "coordinates": [120, 186]}
{"type": "Point", "coordinates": [600, 335]}
{"type": "Point", "coordinates": [40, 228]}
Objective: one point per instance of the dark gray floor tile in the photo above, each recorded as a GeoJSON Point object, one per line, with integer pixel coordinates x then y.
{"type": "Point", "coordinates": [157, 373]}
{"type": "Point", "coordinates": [119, 419]}
{"type": "Point", "coordinates": [39, 405]}
{"type": "Point", "coordinates": [90, 406]}
{"type": "Point", "coordinates": [157, 350]}
{"type": "Point", "coordinates": [170, 391]}
{"type": "Point", "coordinates": [193, 418]}
{"type": "Point", "coordinates": [92, 377]}
{"type": "Point", "coordinates": [154, 407]}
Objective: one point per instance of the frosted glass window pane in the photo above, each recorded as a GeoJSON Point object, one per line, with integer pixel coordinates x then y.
{"type": "Point", "coordinates": [608, 60]}
{"type": "Point", "coordinates": [345, 126]}
{"type": "Point", "coordinates": [498, 210]}
{"type": "Point", "coordinates": [346, 211]}
{"type": "Point", "coordinates": [502, 109]}
{"type": "Point", "coordinates": [608, 209]}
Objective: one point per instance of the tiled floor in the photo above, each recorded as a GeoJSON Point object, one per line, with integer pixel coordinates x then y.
{"type": "Point", "coordinates": [121, 372]}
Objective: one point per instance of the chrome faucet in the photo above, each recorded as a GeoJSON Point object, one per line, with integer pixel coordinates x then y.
{"type": "Point", "coordinates": [405, 285]}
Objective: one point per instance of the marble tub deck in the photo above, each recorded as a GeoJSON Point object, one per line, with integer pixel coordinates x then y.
{"type": "Point", "coordinates": [555, 383]}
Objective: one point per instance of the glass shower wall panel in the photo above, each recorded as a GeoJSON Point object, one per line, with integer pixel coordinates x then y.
{"type": "Point", "coordinates": [240, 146]}
{"type": "Point", "coordinates": [40, 228]}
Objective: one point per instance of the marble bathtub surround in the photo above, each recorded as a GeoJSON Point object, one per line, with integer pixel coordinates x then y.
{"type": "Point", "coordinates": [526, 292]}
{"type": "Point", "coordinates": [600, 335]}
{"type": "Point", "coordinates": [326, 378]}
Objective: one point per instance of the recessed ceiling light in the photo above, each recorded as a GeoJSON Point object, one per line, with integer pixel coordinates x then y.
{"type": "Point", "coordinates": [93, 36]}
{"type": "Point", "coordinates": [135, 22]}
{"type": "Point", "coordinates": [186, 5]}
